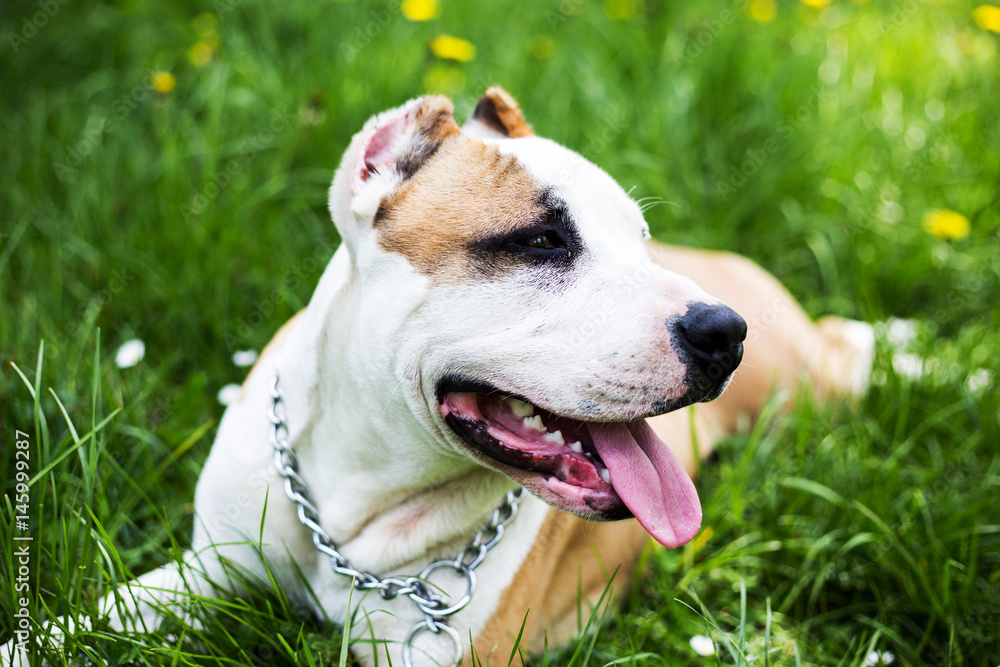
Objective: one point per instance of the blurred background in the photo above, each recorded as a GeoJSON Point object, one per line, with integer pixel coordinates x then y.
{"type": "Point", "coordinates": [163, 211]}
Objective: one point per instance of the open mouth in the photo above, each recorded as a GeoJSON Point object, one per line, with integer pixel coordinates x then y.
{"type": "Point", "coordinates": [598, 470]}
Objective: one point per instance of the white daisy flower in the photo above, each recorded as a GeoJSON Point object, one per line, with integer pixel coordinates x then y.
{"type": "Point", "coordinates": [229, 393]}
{"type": "Point", "coordinates": [900, 333]}
{"type": "Point", "coordinates": [703, 645]}
{"type": "Point", "coordinates": [130, 353]}
{"type": "Point", "coordinates": [244, 358]}
{"type": "Point", "coordinates": [908, 365]}
{"type": "Point", "coordinates": [979, 380]}
{"type": "Point", "coordinates": [880, 658]}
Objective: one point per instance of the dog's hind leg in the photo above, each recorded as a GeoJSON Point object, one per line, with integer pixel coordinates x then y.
{"type": "Point", "coordinates": [784, 350]}
{"type": "Point", "coordinates": [136, 606]}
{"type": "Point", "coordinates": [142, 605]}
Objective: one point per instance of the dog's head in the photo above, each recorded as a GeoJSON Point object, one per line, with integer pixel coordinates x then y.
{"type": "Point", "coordinates": [507, 284]}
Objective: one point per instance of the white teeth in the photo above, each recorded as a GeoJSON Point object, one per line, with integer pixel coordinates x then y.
{"type": "Point", "coordinates": [556, 437]}
{"type": "Point", "coordinates": [605, 475]}
{"type": "Point", "coordinates": [520, 408]}
{"type": "Point", "coordinates": [534, 423]}
{"type": "Point", "coordinates": [576, 447]}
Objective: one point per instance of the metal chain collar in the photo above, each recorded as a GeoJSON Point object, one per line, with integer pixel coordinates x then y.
{"type": "Point", "coordinates": [434, 606]}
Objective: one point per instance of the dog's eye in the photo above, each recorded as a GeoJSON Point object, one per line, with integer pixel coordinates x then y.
{"type": "Point", "coordinates": [543, 240]}
{"type": "Point", "coordinates": [540, 241]}
{"type": "Point", "coordinates": [548, 239]}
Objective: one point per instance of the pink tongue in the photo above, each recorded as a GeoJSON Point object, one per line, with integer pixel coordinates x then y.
{"type": "Point", "coordinates": [650, 480]}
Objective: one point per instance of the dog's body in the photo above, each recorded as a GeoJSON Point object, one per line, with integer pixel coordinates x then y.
{"type": "Point", "coordinates": [477, 264]}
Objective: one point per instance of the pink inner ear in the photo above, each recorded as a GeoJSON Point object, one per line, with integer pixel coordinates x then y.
{"type": "Point", "coordinates": [378, 152]}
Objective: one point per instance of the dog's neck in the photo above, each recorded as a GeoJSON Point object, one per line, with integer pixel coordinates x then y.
{"type": "Point", "coordinates": [400, 497]}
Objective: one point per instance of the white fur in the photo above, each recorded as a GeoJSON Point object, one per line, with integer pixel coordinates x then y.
{"type": "Point", "coordinates": [395, 488]}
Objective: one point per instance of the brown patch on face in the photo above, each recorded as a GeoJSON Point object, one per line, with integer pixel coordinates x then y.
{"type": "Point", "coordinates": [466, 193]}
{"type": "Point", "coordinates": [498, 111]}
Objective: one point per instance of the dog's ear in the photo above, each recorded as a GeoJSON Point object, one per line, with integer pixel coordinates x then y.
{"type": "Point", "coordinates": [497, 116]}
{"type": "Point", "coordinates": [403, 139]}
{"type": "Point", "coordinates": [389, 150]}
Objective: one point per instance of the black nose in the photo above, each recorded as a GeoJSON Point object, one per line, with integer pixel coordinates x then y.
{"type": "Point", "coordinates": [712, 337]}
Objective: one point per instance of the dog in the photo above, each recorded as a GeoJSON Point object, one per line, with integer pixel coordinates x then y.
{"type": "Point", "coordinates": [496, 317]}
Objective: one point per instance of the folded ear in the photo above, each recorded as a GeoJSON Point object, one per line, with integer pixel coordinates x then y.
{"type": "Point", "coordinates": [389, 150]}
{"type": "Point", "coordinates": [497, 116]}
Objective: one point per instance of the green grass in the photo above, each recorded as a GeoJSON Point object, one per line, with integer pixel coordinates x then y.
{"type": "Point", "coordinates": [831, 531]}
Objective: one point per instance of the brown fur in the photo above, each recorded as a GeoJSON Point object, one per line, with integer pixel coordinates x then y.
{"type": "Point", "coordinates": [498, 111]}
{"type": "Point", "coordinates": [486, 193]}
{"type": "Point", "coordinates": [571, 556]}
{"type": "Point", "coordinates": [434, 124]}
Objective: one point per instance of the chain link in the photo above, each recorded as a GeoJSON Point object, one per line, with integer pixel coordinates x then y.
{"type": "Point", "coordinates": [434, 606]}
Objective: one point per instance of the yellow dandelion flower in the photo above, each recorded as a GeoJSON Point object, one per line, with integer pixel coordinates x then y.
{"type": "Point", "coordinates": [163, 82]}
{"type": "Point", "coordinates": [621, 10]}
{"type": "Point", "coordinates": [211, 41]}
{"type": "Point", "coordinates": [444, 80]}
{"type": "Point", "coordinates": [762, 10]}
{"type": "Point", "coordinates": [946, 225]}
{"type": "Point", "coordinates": [421, 10]}
{"type": "Point", "coordinates": [987, 17]}
{"type": "Point", "coordinates": [542, 47]}
{"type": "Point", "coordinates": [202, 52]}
{"type": "Point", "coordinates": [816, 4]}
{"type": "Point", "coordinates": [447, 47]}
{"type": "Point", "coordinates": [206, 24]}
